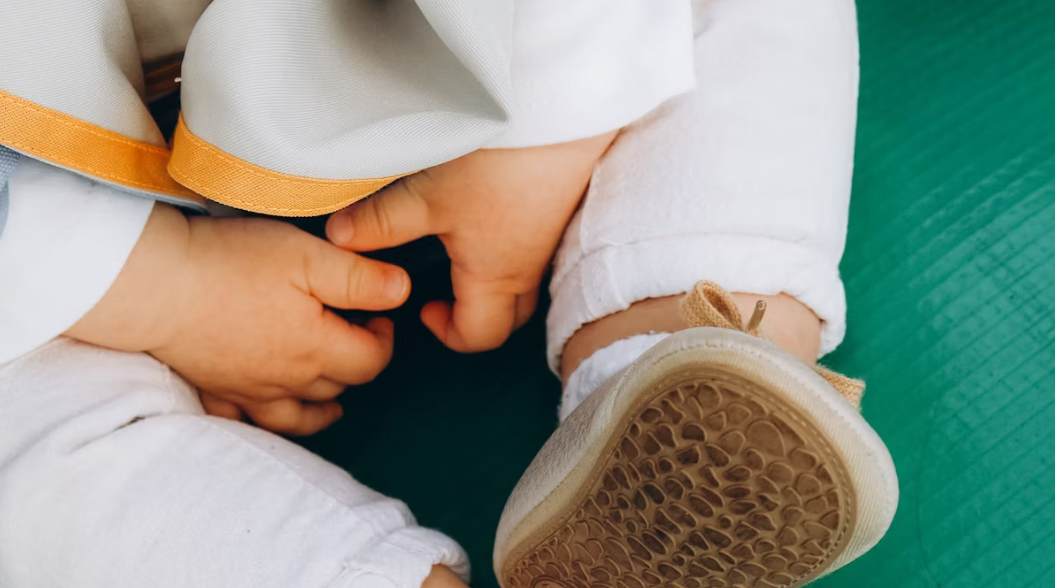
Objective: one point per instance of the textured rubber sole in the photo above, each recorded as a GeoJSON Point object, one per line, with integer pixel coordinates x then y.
{"type": "Point", "coordinates": [713, 482]}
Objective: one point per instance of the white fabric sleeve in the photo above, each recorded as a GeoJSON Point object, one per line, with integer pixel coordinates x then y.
{"type": "Point", "coordinates": [583, 68]}
{"type": "Point", "coordinates": [65, 240]}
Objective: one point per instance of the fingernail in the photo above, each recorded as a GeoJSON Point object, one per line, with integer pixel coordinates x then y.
{"type": "Point", "coordinates": [395, 285]}
{"type": "Point", "coordinates": [341, 229]}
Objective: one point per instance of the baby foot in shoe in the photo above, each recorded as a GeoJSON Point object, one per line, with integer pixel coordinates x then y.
{"type": "Point", "coordinates": [716, 458]}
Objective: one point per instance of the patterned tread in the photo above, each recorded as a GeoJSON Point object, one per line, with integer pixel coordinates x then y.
{"type": "Point", "coordinates": [713, 483]}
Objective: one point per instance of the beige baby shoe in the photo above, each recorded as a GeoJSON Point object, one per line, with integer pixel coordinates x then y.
{"type": "Point", "coordinates": [715, 460]}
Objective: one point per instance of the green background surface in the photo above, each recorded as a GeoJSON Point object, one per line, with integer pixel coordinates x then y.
{"type": "Point", "coordinates": [951, 287]}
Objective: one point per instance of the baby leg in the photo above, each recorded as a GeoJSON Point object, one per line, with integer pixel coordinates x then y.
{"type": "Point", "coordinates": [744, 181]}
{"type": "Point", "coordinates": [691, 451]}
{"type": "Point", "coordinates": [112, 476]}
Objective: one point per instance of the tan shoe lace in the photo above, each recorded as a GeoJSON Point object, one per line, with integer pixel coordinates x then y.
{"type": "Point", "coordinates": [709, 305]}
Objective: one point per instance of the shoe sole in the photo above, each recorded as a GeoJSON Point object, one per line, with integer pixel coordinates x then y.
{"type": "Point", "coordinates": [709, 479]}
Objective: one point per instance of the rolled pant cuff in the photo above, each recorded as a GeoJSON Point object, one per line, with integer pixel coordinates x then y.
{"type": "Point", "coordinates": [612, 278]}
{"type": "Point", "coordinates": [403, 559]}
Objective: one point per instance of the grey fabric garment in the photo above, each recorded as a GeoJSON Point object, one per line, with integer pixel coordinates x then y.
{"type": "Point", "coordinates": [338, 89]}
{"type": "Point", "coordinates": [8, 162]}
{"type": "Point", "coordinates": [78, 57]}
{"type": "Point", "coordinates": [328, 89]}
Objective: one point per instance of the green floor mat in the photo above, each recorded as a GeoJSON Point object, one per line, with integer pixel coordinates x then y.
{"type": "Point", "coordinates": [951, 287]}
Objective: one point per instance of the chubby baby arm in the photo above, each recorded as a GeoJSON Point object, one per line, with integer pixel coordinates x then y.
{"type": "Point", "coordinates": [239, 308]}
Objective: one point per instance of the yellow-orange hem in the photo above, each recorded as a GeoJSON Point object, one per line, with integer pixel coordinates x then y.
{"type": "Point", "coordinates": [81, 146]}
{"type": "Point", "coordinates": [235, 182]}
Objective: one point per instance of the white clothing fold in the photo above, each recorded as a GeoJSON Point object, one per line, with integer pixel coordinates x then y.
{"type": "Point", "coordinates": [112, 476]}
{"type": "Point", "coordinates": [744, 181]}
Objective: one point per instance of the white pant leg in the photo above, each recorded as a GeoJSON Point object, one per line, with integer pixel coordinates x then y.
{"type": "Point", "coordinates": [111, 476]}
{"type": "Point", "coordinates": [744, 181]}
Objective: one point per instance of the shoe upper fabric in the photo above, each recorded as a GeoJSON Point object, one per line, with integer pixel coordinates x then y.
{"type": "Point", "coordinates": [709, 305]}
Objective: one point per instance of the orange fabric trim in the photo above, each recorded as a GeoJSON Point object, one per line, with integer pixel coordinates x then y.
{"type": "Point", "coordinates": [74, 144]}
{"type": "Point", "coordinates": [235, 182]}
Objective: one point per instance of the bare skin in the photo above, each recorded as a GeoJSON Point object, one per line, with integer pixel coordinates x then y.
{"type": "Point", "coordinates": [443, 577]}
{"type": "Point", "coordinates": [788, 323]}
{"type": "Point", "coordinates": [499, 212]}
{"type": "Point", "coordinates": [239, 308]}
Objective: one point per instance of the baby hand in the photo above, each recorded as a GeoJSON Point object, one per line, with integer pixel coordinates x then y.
{"type": "Point", "coordinates": [238, 307]}
{"type": "Point", "coordinates": [500, 214]}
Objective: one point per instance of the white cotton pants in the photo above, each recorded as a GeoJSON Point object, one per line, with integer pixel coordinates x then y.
{"type": "Point", "coordinates": [111, 476]}
{"type": "Point", "coordinates": [744, 181]}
